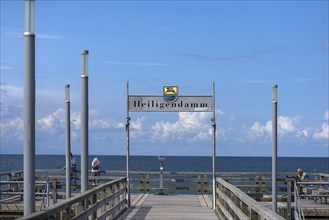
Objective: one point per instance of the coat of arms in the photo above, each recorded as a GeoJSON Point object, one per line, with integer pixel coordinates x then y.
{"type": "Point", "coordinates": [170, 93]}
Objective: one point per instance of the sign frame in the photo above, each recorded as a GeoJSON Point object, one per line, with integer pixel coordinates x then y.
{"type": "Point", "coordinates": [171, 102]}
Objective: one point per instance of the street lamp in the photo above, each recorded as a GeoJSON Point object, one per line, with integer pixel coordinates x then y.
{"type": "Point", "coordinates": [274, 146]}
{"type": "Point", "coordinates": [29, 107]}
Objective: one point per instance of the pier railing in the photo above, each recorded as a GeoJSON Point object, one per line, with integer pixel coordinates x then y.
{"type": "Point", "coordinates": [257, 184]}
{"type": "Point", "coordinates": [106, 200]}
{"type": "Point", "coordinates": [233, 203]}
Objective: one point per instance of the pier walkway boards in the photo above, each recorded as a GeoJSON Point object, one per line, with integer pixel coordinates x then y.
{"type": "Point", "coordinates": [150, 206]}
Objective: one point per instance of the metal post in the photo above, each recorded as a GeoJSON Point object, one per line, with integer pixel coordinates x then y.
{"type": "Point", "coordinates": [288, 200]}
{"type": "Point", "coordinates": [48, 193]}
{"type": "Point", "coordinates": [29, 108]}
{"type": "Point", "coordinates": [84, 120]}
{"type": "Point", "coordinates": [68, 142]}
{"type": "Point", "coordinates": [214, 150]}
{"type": "Point", "coordinates": [161, 160]}
{"type": "Point", "coordinates": [274, 147]}
{"type": "Point", "coordinates": [128, 149]}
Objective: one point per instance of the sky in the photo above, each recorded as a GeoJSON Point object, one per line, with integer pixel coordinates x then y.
{"type": "Point", "coordinates": [244, 47]}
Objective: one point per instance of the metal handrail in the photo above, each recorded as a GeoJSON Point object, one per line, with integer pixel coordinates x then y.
{"type": "Point", "coordinates": [44, 194]}
{"type": "Point", "coordinates": [298, 211]}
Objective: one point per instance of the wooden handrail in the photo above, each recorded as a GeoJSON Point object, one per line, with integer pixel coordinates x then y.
{"type": "Point", "coordinates": [79, 200]}
{"type": "Point", "coordinates": [226, 191]}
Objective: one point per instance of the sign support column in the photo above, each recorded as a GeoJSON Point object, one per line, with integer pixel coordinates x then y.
{"type": "Point", "coordinates": [128, 148]}
{"type": "Point", "coordinates": [274, 146]}
{"type": "Point", "coordinates": [213, 120]}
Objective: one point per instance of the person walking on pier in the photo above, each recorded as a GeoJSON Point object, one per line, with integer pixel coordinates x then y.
{"type": "Point", "coordinates": [96, 169]}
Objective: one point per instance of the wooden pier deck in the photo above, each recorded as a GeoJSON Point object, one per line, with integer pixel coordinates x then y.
{"type": "Point", "coordinates": [150, 206]}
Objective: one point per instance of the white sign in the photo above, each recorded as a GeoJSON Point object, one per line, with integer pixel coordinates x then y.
{"type": "Point", "coordinates": [139, 103]}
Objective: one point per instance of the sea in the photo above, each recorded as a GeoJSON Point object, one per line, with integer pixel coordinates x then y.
{"type": "Point", "coordinates": [10, 163]}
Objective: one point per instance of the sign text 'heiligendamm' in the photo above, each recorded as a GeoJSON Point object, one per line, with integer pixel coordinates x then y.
{"type": "Point", "coordinates": [139, 103]}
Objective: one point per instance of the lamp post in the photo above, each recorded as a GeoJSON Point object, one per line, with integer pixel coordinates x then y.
{"type": "Point", "coordinates": [29, 107]}
{"type": "Point", "coordinates": [84, 120]}
{"type": "Point", "coordinates": [274, 146]}
{"type": "Point", "coordinates": [68, 142]}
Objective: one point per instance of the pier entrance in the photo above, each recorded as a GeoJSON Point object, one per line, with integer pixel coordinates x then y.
{"type": "Point", "coordinates": [171, 101]}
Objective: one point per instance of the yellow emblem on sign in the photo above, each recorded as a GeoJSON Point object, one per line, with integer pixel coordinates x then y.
{"type": "Point", "coordinates": [170, 93]}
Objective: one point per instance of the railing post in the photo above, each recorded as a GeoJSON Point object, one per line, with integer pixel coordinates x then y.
{"type": "Point", "coordinates": [205, 182]}
{"type": "Point", "coordinates": [94, 201]}
{"type": "Point", "coordinates": [316, 187]}
{"type": "Point", "coordinates": [252, 214]}
{"type": "Point", "coordinates": [321, 180]}
{"type": "Point", "coordinates": [54, 183]}
{"type": "Point", "coordinates": [147, 183]}
{"type": "Point", "coordinates": [142, 182]}
{"type": "Point", "coordinates": [258, 185]}
{"type": "Point", "coordinates": [288, 200]}
{"type": "Point", "coordinates": [199, 184]}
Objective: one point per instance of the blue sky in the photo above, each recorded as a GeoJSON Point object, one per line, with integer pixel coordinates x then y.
{"type": "Point", "coordinates": [245, 47]}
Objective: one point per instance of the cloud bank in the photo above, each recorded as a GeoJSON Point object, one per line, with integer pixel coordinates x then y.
{"type": "Point", "coordinates": [108, 135]}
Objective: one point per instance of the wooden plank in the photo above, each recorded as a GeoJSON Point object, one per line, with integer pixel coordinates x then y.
{"type": "Point", "coordinates": [136, 199]}
{"type": "Point", "coordinates": [141, 201]}
{"type": "Point", "coordinates": [202, 201]}
{"type": "Point", "coordinates": [170, 207]}
{"type": "Point", "coordinates": [208, 200]}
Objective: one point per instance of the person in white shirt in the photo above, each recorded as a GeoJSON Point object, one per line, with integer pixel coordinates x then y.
{"type": "Point", "coordinates": [96, 169]}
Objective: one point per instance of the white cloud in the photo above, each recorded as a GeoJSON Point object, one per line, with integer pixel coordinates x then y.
{"type": "Point", "coordinates": [288, 127]}
{"type": "Point", "coordinates": [285, 125]}
{"type": "Point", "coordinates": [323, 134]}
{"type": "Point", "coordinates": [191, 127]}
{"type": "Point", "coordinates": [121, 125]}
{"type": "Point", "coordinates": [12, 129]}
{"type": "Point", "coordinates": [52, 122]}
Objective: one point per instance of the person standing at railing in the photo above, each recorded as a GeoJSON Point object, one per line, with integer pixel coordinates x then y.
{"type": "Point", "coordinates": [96, 169]}
{"type": "Point", "coordinates": [73, 170]}
{"type": "Point", "coordinates": [301, 177]}
{"type": "Point", "coordinates": [73, 165]}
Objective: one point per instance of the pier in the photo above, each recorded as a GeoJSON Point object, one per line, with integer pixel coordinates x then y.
{"type": "Point", "coordinates": [186, 195]}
